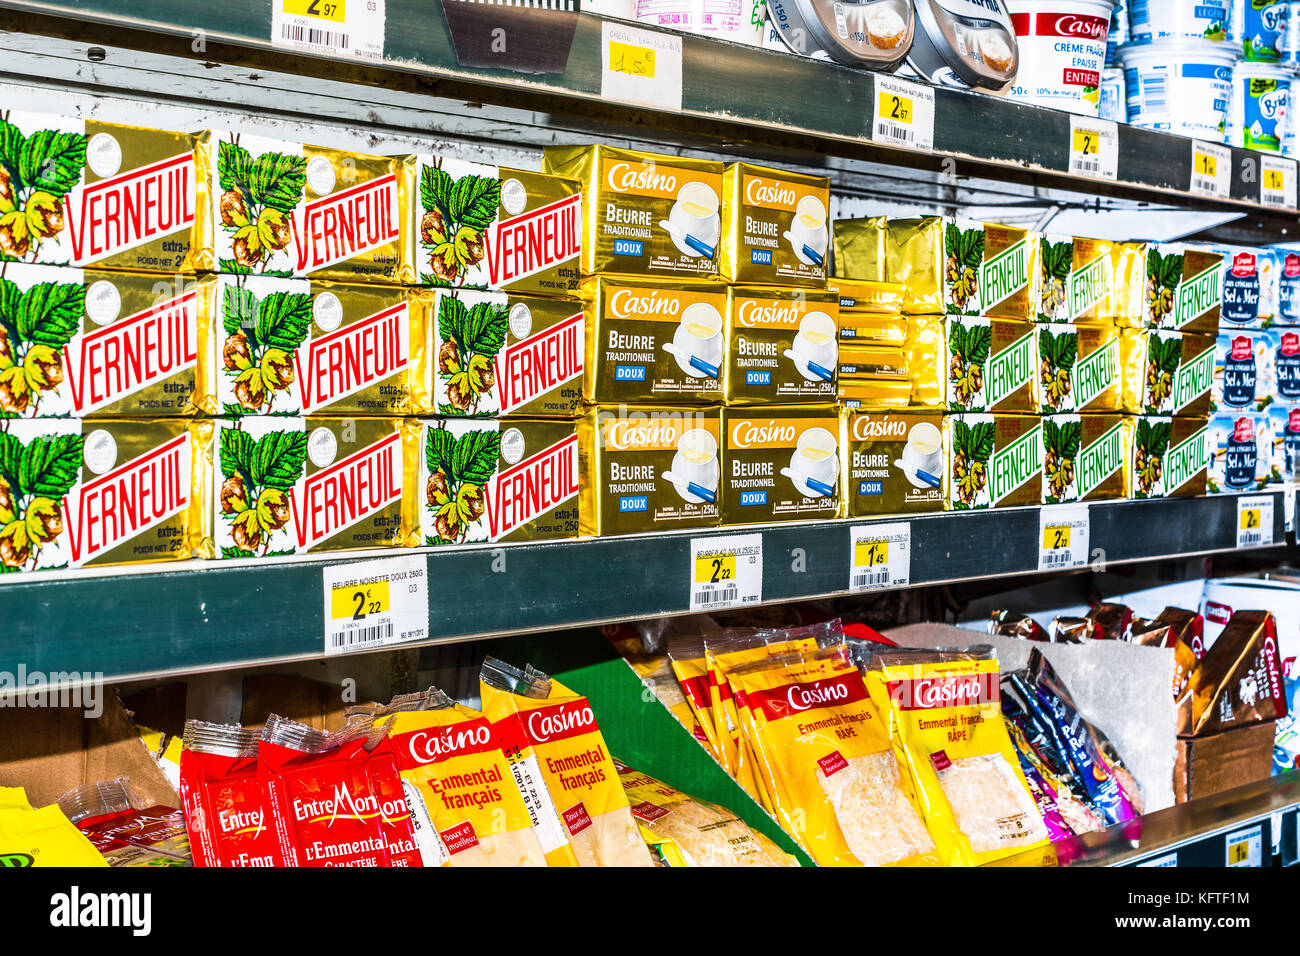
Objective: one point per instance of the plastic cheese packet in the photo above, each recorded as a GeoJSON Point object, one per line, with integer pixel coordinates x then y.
{"type": "Point", "coordinates": [124, 830]}
{"type": "Point", "coordinates": [223, 798]}
{"type": "Point", "coordinates": [687, 658]}
{"type": "Point", "coordinates": [954, 742]}
{"type": "Point", "coordinates": [43, 837]}
{"type": "Point", "coordinates": [562, 767]}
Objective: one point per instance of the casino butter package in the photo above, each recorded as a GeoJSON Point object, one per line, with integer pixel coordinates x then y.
{"type": "Point", "coordinates": [776, 229]}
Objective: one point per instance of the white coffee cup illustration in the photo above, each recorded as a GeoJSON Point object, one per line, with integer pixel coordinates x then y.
{"type": "Point", "coordinates": [697, 341]}
{"type": "Point", "coordinates": [814, 466]}
{"type": "Point", "coordinates": [694, 471]}
{"type": "Point", "coordinates": [694, 223]}
{"type": "Point", "coordinates": [807, 235]}
{"type": "Point", "coordinates": [815, 349]}
{"type": "Point", "coordinates": [922, 461]}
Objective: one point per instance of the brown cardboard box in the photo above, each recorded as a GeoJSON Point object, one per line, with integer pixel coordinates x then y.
{"type": "Point", "coordinates": [1207, 765]}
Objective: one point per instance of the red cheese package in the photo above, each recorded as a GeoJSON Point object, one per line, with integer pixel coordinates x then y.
{"type": "Point", "coordinates": [125, 832]}
{"type": "Point", "coordinates": [224, 799]}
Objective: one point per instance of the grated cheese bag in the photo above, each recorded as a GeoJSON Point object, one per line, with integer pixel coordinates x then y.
{"type": "Point", "coordinates": [657, 676]}
{"type": "Point", "coordinates": [14, 798]}
{"type": "Point", "coordinates": [950, 735]}
{"type": "Point", "coordinates": [692, 671]}
{"type": "Point", "coordinates": [43, 837]}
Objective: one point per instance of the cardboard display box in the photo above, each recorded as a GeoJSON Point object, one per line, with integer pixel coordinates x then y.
{"type": "Point", "coordinates": [1209, 765]}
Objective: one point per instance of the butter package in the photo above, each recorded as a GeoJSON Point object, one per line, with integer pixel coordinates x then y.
{"type": "Point", "coordinates": [1238, 682]}
{"type": "Point", "coordinates": [860, 252]}
{"type": "Point", "coordinates": [279, 208]}
{"type": "Point", "coordinates": [859, 296]}
{"type": "Point", "coordinates": [926, 347]}
{"type": "Point", "coordinates": [893, 462]}
{"type": "Point", "coordinates": [1251, 287]}
{"type": "Point", "coordinates": [873, 375]}
{"type": "Point", "coordinates": [307, 347]}
{"type": "Point", "coordinates": [1083, 457]}
{"type": "Point", "coordinates": [655, 342]}
{"type": "Point", "coordinates": [498, 353]}
{"type": "Point", "coordinates": [87, 343]}
{"type": "Point", "coordinates": [1167, 373]}
{"type": "Point", "coordinates": [1284, 346]}
{"type": "Point", "coordinates": [993, 365]}
{"type": "Point", "coordinates": [115, 491]}
{"type": "Point", "coordinates": [468, 225]}
{"type": "Point", "coordinates": [780, 463]}
{"type": "Point", "coordinates": [1079, 368]}
{"type": "Point", "coordinates": [1241, 451]}
{"type": "Point", "coordinates": [1168, 457]}
{"type": "Point", "coordinates": [877, 393]}
{"type": "Point", "coordinates": [996, 461]}
{"type": "Point", "coordinates": [1245, 370]}
{"type": "Point", "coordinates": [776, 227]}
{"type": "Point", "coordinates": [1183, 288]}
{"type": "Point", "coordinates": [782, 346]}
{"type": "Point", "coordinates": [515, 479]}
{"type": "Point", "coordinates": [648, 469]}
{"type": "Point", "coordinates": [1076, 280]}
{"type": "Point", "coordinates": [79, 192]}
{"type": "Point", "coordinates": [963, 267]}
{"type": "Point", "coordinates": [294, 485]}
{"type": "Point", "coordinates": [1284, 429]}
{"type": "Point", "coordinates": [872, 328]}
{"type": "Point", "coordinates": [645, 214]}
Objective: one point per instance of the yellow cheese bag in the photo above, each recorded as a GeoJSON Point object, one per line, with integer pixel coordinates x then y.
{"type": "Point", "coordinates": [13, 798]}
{"type": "Point", "coordinates": [562, 767]}
{"type": "Point", "coordinates": [692, 672]}
{"type": "Point", "coordinates": [43, 837]}
{"type": "Point", "coordinates": [657, 676]}
{"type": "Point", "coordinates": [949, 732]}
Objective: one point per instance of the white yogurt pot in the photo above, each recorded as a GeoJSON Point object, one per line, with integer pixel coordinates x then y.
{"type": "Point", "coordinates": [1260, 106]}
{"type": "Point", "coordinates": [1112, 105]}
{"type": "Point", "coordinates": [1062, 47]}
{"type": "Point", "coordinates": [1118, 34]}
{"type": "Point", "coordinates": [1178, 19]}
{"type": "Point", "coordinates": [1259, 31]}
{"type": "Point", "coordinates": [1181, 86]}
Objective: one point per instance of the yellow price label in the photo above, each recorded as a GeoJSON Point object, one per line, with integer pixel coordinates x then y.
{"type": "Point", "coordinates": [1056, 536]}
{"type": "Point", "coordinates": [1238, 853]}
{"type": "Point", "coordinates": [320, 9]}
{"type": "Point", "coordinates": [1205, 164]}
{"type": "Point", "coordinates": [895, 107]}
{"type": "Point", "coordinates": [632, 59]}
{"type": "Point", "coordinates": [867, 553]}
{"type": "Point", "coordinates": [1250, 519]}
{"type": "Point", "coordinates": [1274, 179]}
{"type": "Point", "coordinates": [1087, 141]}
{"type": "Point", "coordinates": [712, 568]}
{"type": "Point", "coordinates": [358, 601]}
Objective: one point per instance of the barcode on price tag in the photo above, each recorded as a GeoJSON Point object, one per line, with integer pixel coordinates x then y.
{"type": "Point", "coordinates": [880, 556]}
{"type": "Point", "coordinates": [1277, 182]}
{"type": "Point", "coordinates": [904, 113]}
{"type": "Point", "coordinates": [1211, 170]}
{"type": "Point", "coordinates": [1245, 847]}
{"type": "Point", "coordinates": [1063, 534]}
{"type": "Point", "coordinates": [1094, 148]}
{"type": "Point", "coordinates": [726, 571]}
{"type": "Point", "coordinates": [353, 28]}
{"type": "Point", "coordinates": [1254, 521]}
{"type": "Point", "coordinates": [371, 604]}
{"type": "Point", "coordinates": [640, 66]}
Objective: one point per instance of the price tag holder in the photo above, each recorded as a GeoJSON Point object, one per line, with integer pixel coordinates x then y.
{"type": "Point", "coordinates": [1277, 182]}
{"type": "Point", "coordinates": [1169, 859]}
{"type": "Point", "coordinates": [343, 28]}
{"type": "Point", "coordinates": [726, 571]}
{"type": "Point", "coordinates": [1254, 521]}
{"type": "Point", "coordinates": [1288, 506]}
{"type": "Point", "coordinates": [904, 113]}
{"type": "Point", "coordinates": [640, 66]}
{"type": "Point", "coordinates": [377, 603]}
{"type": "Point", "coordinates": [1211, 170]}
{"type": "Point", "coordinates": [1094, 147]}
{"type": "Point", "coordinates": [880, 556]}
{"type": "Point", "coordinates": [1245, 847]}
{"type": "Point", "coordinates": [1063, 532]}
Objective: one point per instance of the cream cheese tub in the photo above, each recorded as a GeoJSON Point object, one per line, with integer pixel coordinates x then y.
{"type": "Point", "coordinates": [874, 34]}
{"type": "Point", "coordinates": [1179, 86]}
{"type": "Point", "coordinates": [1260, 106]}
{"type": "Point", "coordinates": [1062, 47]}
{"type": "Point", "coordinates": [964, 43]}
{"type": "Point", "coordinates": [1112, 105]}
{"type": "Point", "coordinates": [1258, 28]}
{"type": "Point", "coordinates": [1176, 19]}
{"type": "Point", "coordinates": [1119, 32]}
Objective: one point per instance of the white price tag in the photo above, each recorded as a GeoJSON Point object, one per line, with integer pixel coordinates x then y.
{"type": "Point", "coordinates": [1245, 847]}
{"type": "Point", "coordinates": [1254, 521]}
{"type": "Point", "coordinates": [1094, 147]}
{"type": "Point", "coordinates": [640, 66]}
{"type": "Point", "coordinates": [904, 113]}
{"type": "Point", "coordinates": [1211, 170]}
{"type": "Point", "coordinates": [1062, 537]}
{"type": "Point", "coordinates": [1277, 182]}
{"type": "Point", "coordinates": [1288, 506]}
{"type": "Point", "coordinates": [350, 28]}
{"type": "Point", "coordinates": [726, 571]}
{"type": "Point", "coordinates": [375, 603]}
{"type": "Point", "coordinates": [1169, 859]}
{"type": "Point", "coordinates": [880, 556]}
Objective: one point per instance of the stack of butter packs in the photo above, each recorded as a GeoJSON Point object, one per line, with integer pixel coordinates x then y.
{"type": "Point", "coordinates": [711, 343]}
{"type": "Point", "coordinates": [999, 367]}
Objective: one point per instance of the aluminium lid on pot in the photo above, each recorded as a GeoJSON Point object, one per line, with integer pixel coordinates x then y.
{"type": "Point", "coordinates": [974, 39]}
{"type": "Point", "coordinates": [875, 33]}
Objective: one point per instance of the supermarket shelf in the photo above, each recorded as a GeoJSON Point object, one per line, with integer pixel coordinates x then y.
{"type": "Point", "coordinates": [822, 107]}
{"type": "Point", "coordinates": [151, 620]}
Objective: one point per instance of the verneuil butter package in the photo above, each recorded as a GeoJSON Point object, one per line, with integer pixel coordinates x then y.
{"type": "Point", "coordinates": [79, 192]}
{"type": "Point", "coordinates": [1167, 373]}
{"type": "Point", "coordinates": [963, 267]}
{"type": "Point", "coordinates": [1168, 457]}
{"type": "Point", "coordinates": [88, 343]}
{"type": "Point", "coordinates": [653, 341]}
{"type": "Point", "coordinates": [780, 463]}
{"type": "Point", "coordinates": [865, 296]}
{"type": "Point", "coordinates": [1083, 457]}
{"type": "Point", "coordinates": [292, 485]}
{"type": "Point", "coordinates": [281, 208]}
{"type": "Point", "coordinates": [645, 214]}
{"type": "Point", "coordinates": [776, 229]}
{"type": "Point", "coordinates": [1245, 370]}
{"type": "Point", "coordinates": [992, 365]}
{"type": "Point", "coordinates": [996, 461]}
{"type": "Point", "coordinates": [306, 347]}
{"type": "Point", "coordinates": [782, 345]}
{"type": "Point", "coordinates": [860, 252]}
{"type": "Point", "coordinates": [649, 469]}
{"type": "Point", "coordinates": [893, 462]}
{"type": "Point", "coordinates": [115, 491]}
{"type": "Point", "coordinates": [467, 225]}
{"type": "Point", "coordinates": [1241, 451]}
{"type": "Point", "coordinates": [513, 479]}
{"type": "Point", "coordinates": [1284, 428]}
{"type": "Point", "coordinates": [1076, 280]}
{"type": "Point", "coordinates": [498, 353]}
{"type": "Point", "coordinates": [1183, 288]}
{"type": "Point", "coordinates": [1079, 368]}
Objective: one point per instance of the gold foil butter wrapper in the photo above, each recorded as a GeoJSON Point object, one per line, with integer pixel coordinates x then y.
{"type": "Point", "coordinates": [1182, 287]}
{"type": "Point", "coordinates": [859, 246]}
{"type": "Point", "coordinates": [873, 376]}
{"type": "Point", "coordinates": [864, 296]}
{"type": "Point", "coordinates": [782, 346]}
{"type": "Point", "coordinates": [892, 462]}
{"type": "Point", "coordinates": [995, 461]}
{"type": "Point", "coordinates": [644, 214]}
{"type": "Point", "coordinates": [89, 493]}
{"type": "Point", "coordinates": [307, 347]}
{"type": "Point", "coordinates": [649, 469]}
{"type": "Point", "coordinates": [1168, 457]}
{"type": "Point", "coordinates": [469, 225]}
{"type": "Point", "coordinates": [280, 208]}
{"type": "Point", "coordinates": [79, 192]}
{"type": "Point", "coordinates": [992, 364]}
{"type": "Point", "coordinates": [1238, 681]}
{"type": "Point", "coordinates": [1084, 457]}
{"type": "Point", "coordinates": [654, 342]}
{"type": "Point", "coordinates": [776, 227]}
{"type": "Point", "coordinates": [497, 353]}
{"type": "Point", "coordinates": [780, 463]}
{"type": "Point", "coordinates": [1077, 280]}
{"type": "Point", "coordinates": [1079, 368]}
{"type": "Point", "coordinates": [94, 344]}
{"type": "Point", "coordinates": [1167, 373]}
{"type": "Point", "coordinates": [961, 267]}
{"type": "Point", "coordinates": [513, 479]}
{"type": "Point", "coordinates": [294, 485]}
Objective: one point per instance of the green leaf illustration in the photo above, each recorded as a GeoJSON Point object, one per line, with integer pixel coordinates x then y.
{"type": "Point", "coordinates": [485, 329]}
{"type": "Point", "coordinates": [957, 339]}
{"type": "Point", "coordinates": [11, 462]}
{"type": "Point", "coordinates": [1071, 436]}
{"type": "Point", "coordinates": [50, 465]}
{"type": "Point", "coordinates": [979, 340]}
{"type": "Point", "coordinates": [981, 443]}
{"type": "Point", "coordinates": [11, 147]}
{"type": "Point", "coordinates": [278, 459]}
{"type": "Point", "coordinates": [234, 166]}
{"type": "Point", "coordinates": [277, 180]}
{"type": "Point", "coordinates": [435, 190]}
{"type": "Point", "coordinates": [439, 448]}
{"type": "Point", "coordinates": [476, 456]}
{"type": "Point", "coordinates": [1051, 436]}
{"type": "Point", "coordinates": [11, 298]}
{"type": "Point", "coordinates": [235, 267]}
{"type": "Point", "coordinates": [236, 453]}
{"type": "Point", "coordinates": [52, 162]}
{"type": "Point", "coordinates": [50, 313]}
{"type": "Point", "coordinates": [453, 321]}
{"type": "Point", "coordinates": [284, 319]}
{"type": "Point", "coordinates": [961, 438]}
{"type": "Point", "coordinates": [233, 552]}
{"type": "Point", "coordinates": [474, 201]}
{"type": "Point", "coordinates": [238, 310]}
